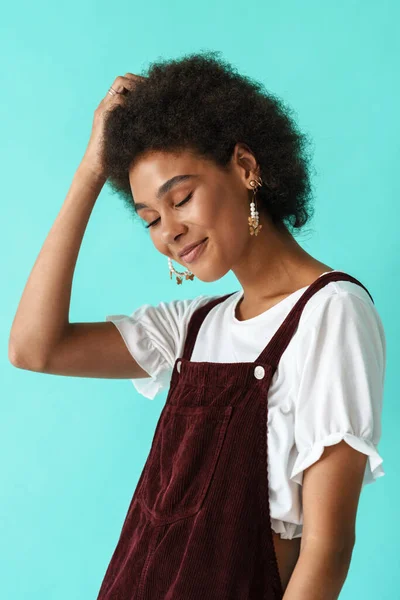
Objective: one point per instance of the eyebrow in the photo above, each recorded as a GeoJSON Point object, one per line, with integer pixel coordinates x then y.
{"type": "Point", "coordinates": [166, 187]}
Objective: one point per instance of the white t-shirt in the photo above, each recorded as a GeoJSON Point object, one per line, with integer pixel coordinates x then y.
{"type": "Point", "coordinates": [328, 385]}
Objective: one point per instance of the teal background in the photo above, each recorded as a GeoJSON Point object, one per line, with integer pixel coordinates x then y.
{"type": "Point", "coordinates": [72, 449]}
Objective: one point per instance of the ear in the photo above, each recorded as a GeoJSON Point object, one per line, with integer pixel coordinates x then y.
{"type": "Point", "coordinates": [245, 161]}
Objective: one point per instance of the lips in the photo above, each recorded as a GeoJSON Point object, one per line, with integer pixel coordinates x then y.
{"type": "Point", "coordinates": [189, 248]}
{"type": "Point", "coordinates": [195, 252]}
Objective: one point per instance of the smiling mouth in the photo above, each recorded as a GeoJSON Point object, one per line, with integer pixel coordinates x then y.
{"type": "Point", "coordinates": [195, 252]}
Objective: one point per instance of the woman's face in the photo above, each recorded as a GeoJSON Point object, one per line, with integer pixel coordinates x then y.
{"type": "Point", "coordinates": [201, 202]}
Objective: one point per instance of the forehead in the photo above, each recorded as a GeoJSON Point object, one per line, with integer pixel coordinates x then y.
{"type": "Point", "coordinates": [154, 168]}
{"type": "Point", "coordinates": [151, 174]}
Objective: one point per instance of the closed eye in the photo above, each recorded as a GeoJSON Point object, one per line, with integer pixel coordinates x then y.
{"type": "Point", "coordinates": [176, 206]}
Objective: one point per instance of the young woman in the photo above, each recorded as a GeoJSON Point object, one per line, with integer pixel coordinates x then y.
{"type": "Point", "coordinates": [272, 419]}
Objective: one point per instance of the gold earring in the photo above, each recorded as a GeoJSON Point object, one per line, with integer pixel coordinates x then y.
{"type": "Point", "coordinates": [254, 225]}
{"type": "Point", "coordinates": [188, 275]}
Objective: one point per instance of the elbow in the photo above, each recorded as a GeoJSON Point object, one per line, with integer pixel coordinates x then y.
{"type": "Point", "coordinates": [13, 356]}
{"type": "Point", "coordinates": [20, 361]}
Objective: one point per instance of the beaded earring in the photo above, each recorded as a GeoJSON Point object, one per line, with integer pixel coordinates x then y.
{"type": "Point", "coordinates": [254, 225]}
{"type": "Point", "coordinates": [188, 275]}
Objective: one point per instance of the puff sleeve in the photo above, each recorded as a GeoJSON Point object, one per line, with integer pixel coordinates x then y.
{"type": "Point", "coordinates": [341, 366]}
{"type": "Point", "coordinates": [155, 335]}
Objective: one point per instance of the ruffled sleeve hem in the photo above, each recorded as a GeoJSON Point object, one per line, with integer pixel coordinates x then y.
{"type": "Point", "coordinates": [287, 531]}
{"type": "Point", "coordinates": [308, 456]}
{"type": "Point", "coordinates": [145, 354]}
{"type": "Point", "coordinates": [151, 386]}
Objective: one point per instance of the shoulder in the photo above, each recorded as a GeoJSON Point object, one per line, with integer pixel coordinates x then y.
{"type": "Point", "coordinates": [341, 326]}
{"type": "Point", "coordinates": [341, 301]}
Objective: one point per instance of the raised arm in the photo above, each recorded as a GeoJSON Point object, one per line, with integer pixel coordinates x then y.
{"type": "Point", "coordinates": [41, 337]}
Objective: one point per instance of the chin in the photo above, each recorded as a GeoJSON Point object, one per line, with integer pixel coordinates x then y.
{"type": "Point", "coordinates": [210, 275]}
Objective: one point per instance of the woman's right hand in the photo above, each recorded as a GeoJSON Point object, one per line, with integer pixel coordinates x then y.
{"type": "Point", "coordinates": [92, 158]}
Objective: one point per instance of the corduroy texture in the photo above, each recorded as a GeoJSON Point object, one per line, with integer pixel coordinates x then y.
{"type": "Point", "coordinates": [198, 526]}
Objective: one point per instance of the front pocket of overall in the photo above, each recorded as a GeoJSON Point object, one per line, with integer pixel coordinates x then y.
{"type": "Point", "coordinates": [182, 460]}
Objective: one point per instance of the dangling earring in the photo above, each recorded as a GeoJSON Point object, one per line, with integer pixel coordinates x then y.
{"type": "Point", "coordinates": [188, 275]}
{"type": "Point", "coordinates": [254, 225]}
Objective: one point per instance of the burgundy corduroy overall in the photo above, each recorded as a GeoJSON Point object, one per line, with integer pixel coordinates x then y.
{"type": "Point", "coordinates": [198, 526]}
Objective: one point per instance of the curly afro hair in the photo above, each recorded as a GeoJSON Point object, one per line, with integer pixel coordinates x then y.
{"type": "Point", "coordinates": [202, 104]}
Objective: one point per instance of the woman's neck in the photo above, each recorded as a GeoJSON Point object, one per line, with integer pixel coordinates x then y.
{"type": "Point", "coordinates": [274, 267]}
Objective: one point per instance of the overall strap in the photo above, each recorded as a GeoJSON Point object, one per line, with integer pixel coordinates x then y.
{"type": "Point", "coordinates": [279, 342]}
{"type": "Point", "coordinates": [195, 322]}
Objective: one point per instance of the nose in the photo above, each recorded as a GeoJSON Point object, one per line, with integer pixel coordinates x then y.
{"type": "Point", "coordinates": [171, 228]}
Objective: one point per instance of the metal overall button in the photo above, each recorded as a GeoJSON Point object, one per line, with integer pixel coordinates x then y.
{"type": "Point", "coordinates": [178, 366]}
{"type": "Point", "coordinates": [259, 372]}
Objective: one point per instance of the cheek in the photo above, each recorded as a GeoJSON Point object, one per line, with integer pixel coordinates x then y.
{"type": "Point", "coordinates": [201, 214]}
{"type": "Point", "coordinates": [231, 234]}
{"type": "Point", "coordinates": [232, 221]}
{"type": "Point", "coordinates": [156, 242]}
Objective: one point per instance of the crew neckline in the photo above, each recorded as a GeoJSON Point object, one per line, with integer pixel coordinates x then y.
{"type": "Point", "coordinates": [270, 310]}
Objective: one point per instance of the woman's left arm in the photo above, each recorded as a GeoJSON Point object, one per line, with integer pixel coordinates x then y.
{"type": "Point", "coordinates": [331, 492]}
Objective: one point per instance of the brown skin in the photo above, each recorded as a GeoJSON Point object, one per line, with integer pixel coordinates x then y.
{"type": "Point", "coordinates": [269, 266]}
